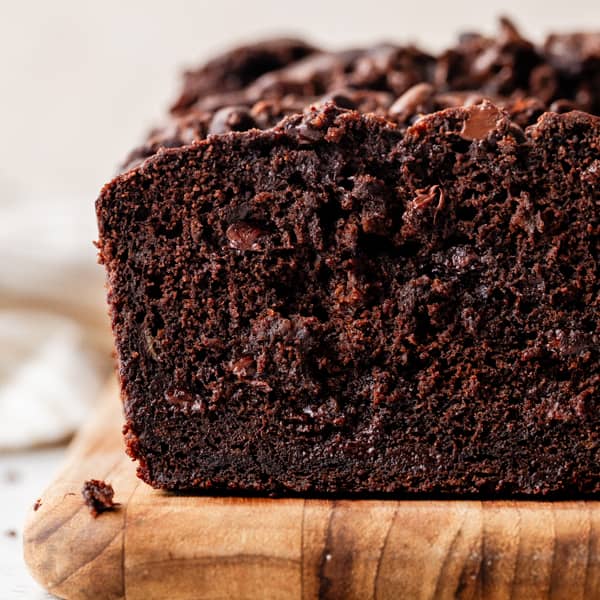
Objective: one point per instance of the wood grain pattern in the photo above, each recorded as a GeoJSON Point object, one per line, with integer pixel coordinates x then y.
{"type": "Point", "coordinates": [159, 545]}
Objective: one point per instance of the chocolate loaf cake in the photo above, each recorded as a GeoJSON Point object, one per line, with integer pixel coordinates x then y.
{"type": "Point", "coordinates": [366, 272]}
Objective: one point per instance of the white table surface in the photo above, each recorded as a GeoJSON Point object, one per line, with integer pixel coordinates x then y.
{"type": "Point", "coordinates": [23, 478]}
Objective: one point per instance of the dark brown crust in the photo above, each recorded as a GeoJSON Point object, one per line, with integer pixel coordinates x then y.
{"type": "Point", "coordinates": [234, 70]}
{"type": "Point", "coordinates": [258, 85]}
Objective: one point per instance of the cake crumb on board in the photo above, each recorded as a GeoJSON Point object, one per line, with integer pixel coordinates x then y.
{"type": "Point", "coordinates": [98, 496]}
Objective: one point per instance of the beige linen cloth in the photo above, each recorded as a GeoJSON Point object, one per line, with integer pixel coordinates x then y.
{"type": "Point", "coordinates": [55, 345]}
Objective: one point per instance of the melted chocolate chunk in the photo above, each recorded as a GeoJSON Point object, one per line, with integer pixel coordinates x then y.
{"type": "Point", "coordinates": [481, 120]}
{"type": "Point", "coordinates": [231, 118]}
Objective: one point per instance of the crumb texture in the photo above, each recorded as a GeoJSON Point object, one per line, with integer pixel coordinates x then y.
{"type": "Point", "coordinates": [98, 496]}
{"type": "Point", "coordinates": [350, 302]}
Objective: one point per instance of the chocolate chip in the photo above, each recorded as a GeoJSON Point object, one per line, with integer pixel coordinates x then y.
{"type": "Point", "coordinates": [426, 196]}
{"type": "Point", "coordinates": [509, 32]}
{"type": "Point", "coordinates": [342, 99]}
{"type": "Point", "coordinates": [231, 118]}
{"type": "Point", "coordinates": [244, 367]}
{"type": "Point", "coordinates": [244, 236]}
{"type": "Point", "coordinates": [543, 82]}
{"type": "Point", "coordinates": [308, 133]}
{"type": "Point", "coordinates": [413, 100]}
{"type": "Point", "coordinates": [481, 120]}
{"type": "Point", "coordinates": [562, 105]}
{"type": "Point", "coordinates": [314, 123]}
{"type": "Point", "coordinates": [459, 98]}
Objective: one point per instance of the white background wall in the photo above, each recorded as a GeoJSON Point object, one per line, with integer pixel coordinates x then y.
{"type": "Point", "coordinates": [81, 81]}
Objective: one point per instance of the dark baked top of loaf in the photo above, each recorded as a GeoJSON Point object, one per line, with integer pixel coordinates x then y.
{"type": "Point", "coordinates": [256, 86]}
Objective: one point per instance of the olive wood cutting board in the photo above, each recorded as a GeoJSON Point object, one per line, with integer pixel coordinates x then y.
{"type": "Point", "coordinates": [162, 545]}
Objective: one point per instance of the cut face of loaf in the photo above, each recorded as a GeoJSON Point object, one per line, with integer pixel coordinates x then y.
{"type": "Point", "coordinates": [335, 306]}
